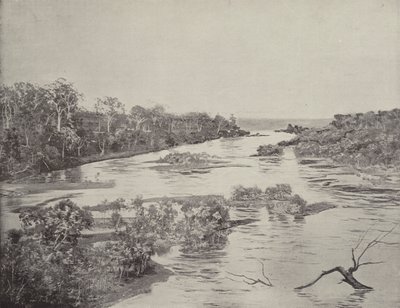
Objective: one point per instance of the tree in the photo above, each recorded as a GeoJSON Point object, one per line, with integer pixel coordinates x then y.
{"type": "Point", "coordinates": [57, 225]}
{"type": "Point", "coordinates": [220, 122]}
{"type": "Point", "coordinates": [64, 98]}
{"type": "Point", "coordinates": [33, 111]}
{"type": "Point", "coordinates": [65, 140]}
{"type": "Point", "coordinates": [157, 115]}
{"type": "Point", "coordinates": [109, 107]}
{"type": "Point", "coordinates": [348, 276]}
{"type": "Point", "coordinates": [43, 265]}
{"type": "Point", "coordinates": [10, 149]}
{"type": "Point", "coordinates": [8, 105]}
{"type": "Point", "coordinates": [232, 121]}
{"type": "Point", "coordinates": [138, 116]}
{"type": "Point", "coordinates": [103, 141]}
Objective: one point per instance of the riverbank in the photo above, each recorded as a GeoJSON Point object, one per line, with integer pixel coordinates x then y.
{"type": "Point", "coordinates": [72, 162]}
{"type": "Point", "coordinates": [154, 274]}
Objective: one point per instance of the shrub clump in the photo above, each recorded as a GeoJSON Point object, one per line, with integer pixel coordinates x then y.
{"type": "Point", "coordinates": [43, 263]}
{"type": "Point", "coordinates": [269, 150]}
{"type": "Point", "coordinates": [360, 140]}
{"type": "Point", "coordinates": [278, 199]}
{"type": "Point", "coordinates": [185, 159]}
{"type": "Point", "coordinates": [205, 223]}
{"type": "Point", "coordinates": [241, 193]}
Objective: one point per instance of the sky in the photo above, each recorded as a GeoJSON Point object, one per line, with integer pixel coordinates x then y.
{"type": "Point", "coordinates": [273, 59]}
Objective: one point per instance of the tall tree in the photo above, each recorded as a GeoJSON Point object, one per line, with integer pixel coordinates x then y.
{"type": "Point", "coordinates": [33, 111]}
{"type": "Point", "coordinates": [138, 116]}
{"type": "Point", "coordinates": [110, 107]}
{"type": "Point", "coordinates": [64, 98]}
{"type": "Point", "coordinates": [8, 105]}
{"type": "Point", "coordinates": [220, 123]}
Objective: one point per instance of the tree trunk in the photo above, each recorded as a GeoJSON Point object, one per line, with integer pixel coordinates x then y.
{"type": "Point", "coordinates": [7, 120]}
{"type": "Point", "coordinates": [348, 278]}
{"type": "Point", "coordinates": [26, 139]}
{"type": "Point", "coordinates": [58, 121]}
{"type": "Point", "coordinates": [102, 148]}
{"type": "Point", "coordinates": [108, 125]}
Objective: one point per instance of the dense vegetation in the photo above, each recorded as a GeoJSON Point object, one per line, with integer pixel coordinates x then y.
{"type": "Point", "coordinates": [360, 140]}
{"type": "Point", "coordinates": [43, 263]}
{"type": "Point", "coordinates": [48, 263]}
{"type": "Point", "coordinates": [186, 159]}
{"type": "Point", "coordinates": [45, 128]}
{"type": "Point", "coordinates": [278, 199]}
{"type": "Point", "coordinates": [290, 129]}
{"type": "Point", "coordinates": [269, 150]}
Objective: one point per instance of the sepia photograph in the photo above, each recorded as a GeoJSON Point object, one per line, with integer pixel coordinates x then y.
{"type": "Point", "coordinates": [199, 153]}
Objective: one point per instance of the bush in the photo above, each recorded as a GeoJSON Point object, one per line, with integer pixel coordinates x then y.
{"type": "Point", "coordinates": [106, 205]}
{"type": "Point", "coordinates": [204, 224]}
{"type": "Point", "coordinates": [280, 192]}
{"type": "Point", "coordinates": [269, 150]}
{"type": "Point", "coordinates": [360, 140]}
{"type": "Point", "coordinates": [241, 193]}
{"type": "Point", "coordinates": [185, 159]}
{"type": "Point", "coordinates": [42, 263]}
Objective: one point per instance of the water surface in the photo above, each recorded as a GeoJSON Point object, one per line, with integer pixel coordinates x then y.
{"type": "Point", "coordinates": [294, 251]}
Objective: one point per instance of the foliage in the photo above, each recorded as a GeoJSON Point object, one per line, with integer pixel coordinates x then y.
{"type": "Point", "coordinates": [110, 107]}
{"type": "Point", "coordinates": [43, 128]}
{"type": "Point", "coordinates": [278, 199]}
{"type": "Point", "coordinates": [281, 200]}
{"type": "Point", "coordinates": [186, 159]}
{"type": "Point", "coordinates": [205, 223]}
{"type": "Point", "coordinates": [359, 140]}
{"type": "Point", "coordinates": [45, 263]}
{"type": "Point", "coordinates": [296, 129]}
{"type": "Point", "coordinates": [58, 225]}
{"type": "Point", "coordinates": [279, 192]}
{"type": "Point", "coordinates": [151, 223]}
{"type": "Point", "coordinates": [241, 193]}
{"type": "Point", "coordinates": [42, 264]}
{"type": "Point", "coordinates": [106, 205]}
{"type": "Point", "coordinates": [269, 150]}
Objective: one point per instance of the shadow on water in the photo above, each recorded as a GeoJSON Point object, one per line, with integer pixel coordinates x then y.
{"type": "Point", "coordinates": [353, 300]}
{"type": "Point", "coordinates": [286, 218]}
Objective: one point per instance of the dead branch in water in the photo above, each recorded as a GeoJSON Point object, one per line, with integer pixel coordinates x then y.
{"type": "Point", "coordinates": [252, 281]}
{"type": "Point", "coordinates": [348, 274]}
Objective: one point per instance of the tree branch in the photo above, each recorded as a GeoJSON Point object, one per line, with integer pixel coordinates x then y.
{"type": "Point", "coordinates": [253, 281]}
{"type": "Point", "coordinates": [348, 274]}
{"type": "Point", "coordinates": [335, 269]}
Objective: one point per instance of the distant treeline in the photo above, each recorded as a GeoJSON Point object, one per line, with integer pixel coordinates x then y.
{"type": "Point", "coordinates": [274, 124]}
{"type": "Point", "coordinates": [360, 140]}
{"type": "Point", "coordinates": [44, 128]}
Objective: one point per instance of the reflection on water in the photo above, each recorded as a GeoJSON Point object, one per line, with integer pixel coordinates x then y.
{"type": "Point", "coordinates": [294, 250]}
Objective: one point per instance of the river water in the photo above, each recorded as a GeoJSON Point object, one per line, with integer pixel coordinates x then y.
{"type": "Point", "coordinates": [294, 251]}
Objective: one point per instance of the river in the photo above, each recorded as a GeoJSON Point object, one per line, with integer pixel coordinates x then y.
{"type": "Point", "coordinates": [294, 251]}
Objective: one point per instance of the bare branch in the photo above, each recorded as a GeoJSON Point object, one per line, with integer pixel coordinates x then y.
{"type": "Point", "coordinates": [263, 272]}
{"type": "Point", "coordinates": [362, 237]}
{"type": "Point", "coordinates": [369, 263]}
{"type": "Point", "coordinates": [348, 274]}
{"type": "Point", "coordinates": [252, 281]}
{"type": "Point", "coordinates": [353, 258]}
{"type": "Point", "coordinates": [388, 243]}
{"type": "Point", "coordinates": [374, 242]}
{"type": "Point", "coordinates": [335, 269]}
